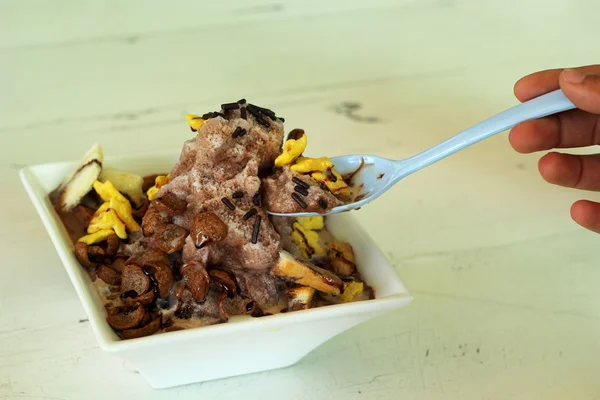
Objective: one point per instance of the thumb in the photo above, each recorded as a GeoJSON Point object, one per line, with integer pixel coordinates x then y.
{"type": "Point", "coordinates": [582, 89]}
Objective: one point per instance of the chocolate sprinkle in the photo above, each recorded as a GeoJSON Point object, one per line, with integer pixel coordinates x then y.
{"type": "Point", "coordinates": [262, 110]}
{"type": "Point", "coordinates": [301, 190]}
{"type": "Point", "coordinates": [251, 213]}
{"type": "Point", "coordinates": [209, 115]}
{"type": "Point", "coordinates": [230, 106]}
{"type": "Point", "coordinates": [258, 116]}
{"type": "Point", "coordinates": [257, 200]}
{"type": "Point", "coordinates": [300, 182]}
{"type": "Point", "coordinates": [242, 101]}
{"type": "Point", "coordinates": [238, 195]}
{"type": "Point", "coordinates": [242, 132]}
{"type": "Point", "coordinates": [299, 200]}
{"type": "Point", "coordinates": [228, 203]}
{"type": "Point", "coordinates": [238, 132]}
{"type": "Point", "coordinates": [256, 229]}
{"type": "Point", "coordinates": [249, 306]}
{"type": "Point", "coordinates": [322, 204]}
{"type": "Point", "coordinates": [282, 119]}
{"type": "Point", "coordinates": [243, 113]}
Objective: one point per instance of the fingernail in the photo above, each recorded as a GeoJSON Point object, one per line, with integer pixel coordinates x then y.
{"type": "Point", "coordinates": [573, 75]}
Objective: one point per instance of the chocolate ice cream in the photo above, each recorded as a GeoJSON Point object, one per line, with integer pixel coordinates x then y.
{"type": "Point", "coordinates": [201, 248]}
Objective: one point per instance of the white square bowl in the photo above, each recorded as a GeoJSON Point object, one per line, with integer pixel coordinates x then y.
{"type": "Point", "coordinates": [233, 348]}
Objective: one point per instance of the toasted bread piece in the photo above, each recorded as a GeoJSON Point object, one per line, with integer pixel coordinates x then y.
{"type": "Point", "coordinates": [304, 273]}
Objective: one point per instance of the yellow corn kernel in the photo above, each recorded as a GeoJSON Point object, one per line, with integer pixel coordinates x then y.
{"type": "Point", "coordinates": [312, 238]}
{"type": "Point", "coordinates": [337, 187]}
{"type": "Point", "coordinates": [107, 220]}
{"type": "Point", "coordinates": [311, 223]}
{"type": "Point", "coordinates": [104, 207]}
{"type": "Point", "coordinates": [160, 181]}
{"type": "Point", "coordinates": [194, 121]}
{"type": "Point", "coordinates": [352, 290]}
{"type": "Point", "coordinates": [306, 165]}
{"type": "Point", "coordinates": [300, 243]}
{"type": "Point", "coordinates": [291, 151]}
{"type": "Point", "coordinates": [123, 210]}
{"type": "Point", "coordinates": [107, 191]}
{"type": "Point", "coordinates": [96, 237]}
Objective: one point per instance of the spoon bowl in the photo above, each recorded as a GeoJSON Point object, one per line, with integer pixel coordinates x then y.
{"type": "Point", "coordinates": [375, 175]}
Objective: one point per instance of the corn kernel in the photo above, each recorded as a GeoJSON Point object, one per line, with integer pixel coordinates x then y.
{"type": "Point", "coordinates": [107, 220]}
{"type": "Point", "coordinates": [300, 243]}
{"type": "Point", "coordinates": [159, 181]}
{"type": "Point", "coordinates": [337, 187]}
{"type": "Point", "coordinates": [352, 290]}
{"type": "Point", "coordinates": [194, 121]}
{"type": "Point", "coordinates": [306, 165]}
{"type": "Point", "coordinates": [312, 238]}
{"type": "Point", "coordinates": [292, 149]}
{"type": "Point", "coordinates": [311, 223]}
{"type": "Point", "coordinates": [96, 237]}
{"type": "Point", "coordinates": [107, 191]}
{"type": "Point", "coordinates": [123, 210]}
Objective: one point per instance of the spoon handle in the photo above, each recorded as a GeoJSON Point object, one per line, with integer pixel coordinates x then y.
{"type": "Point", "coordinates": [547, 104]}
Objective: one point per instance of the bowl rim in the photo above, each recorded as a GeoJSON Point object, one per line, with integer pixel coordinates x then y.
{"type": "Point", "coordinates": [111, 343]}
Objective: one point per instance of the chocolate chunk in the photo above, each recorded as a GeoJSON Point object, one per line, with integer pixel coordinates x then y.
{"type": "Point", "coordinates": [238, 195]}
{"type": "Point", "coordinates": [139, 213]}
{"type": "Point", "coordinates": [152, 221]}
{"type": "Point", "coordinates": [170, 204]}
{"type": "Point", "coordinates": [145, 330]}
{"type": "Point", "coordinates": [225, 280]}
{"type": "Point", "coordinates": [152, 257]}
{"type": "Point", "coordinates": [170, 238]}
{"type": "Point", "coordinates": [109, 275]}
{"type": "Point", "coordinates": [207, 228]}
{"type": "Point", "coordinates": [196, 279]}
{"type": "Point", "coordinates": [134, 278]}
{"type": "Point", "coordinates": [96, 252]}
{"type": "Point", "coordinates": [118, 264]}
{"type": "Point", "coordinates": [295, 134]}
{"type": "Point", "coordinates": [112, 245]}
{"type": "Point", "coordinates": [81, 253]}
{"type": "Point", "coordinates": [126, 318]}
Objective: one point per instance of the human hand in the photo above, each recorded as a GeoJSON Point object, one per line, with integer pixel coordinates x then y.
{"type": "Point", "coordinates": [575, 128]}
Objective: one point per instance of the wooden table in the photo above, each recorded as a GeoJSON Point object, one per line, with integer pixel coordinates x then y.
{"type": "Point", "coordinates": [506, 304]}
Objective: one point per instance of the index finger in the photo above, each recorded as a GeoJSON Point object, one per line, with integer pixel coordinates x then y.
{"type": "Point", "coordinates": [542, 82]}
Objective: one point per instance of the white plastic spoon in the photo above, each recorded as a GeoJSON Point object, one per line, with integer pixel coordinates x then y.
{"type": "Point", "coordinates": [378, 174]}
